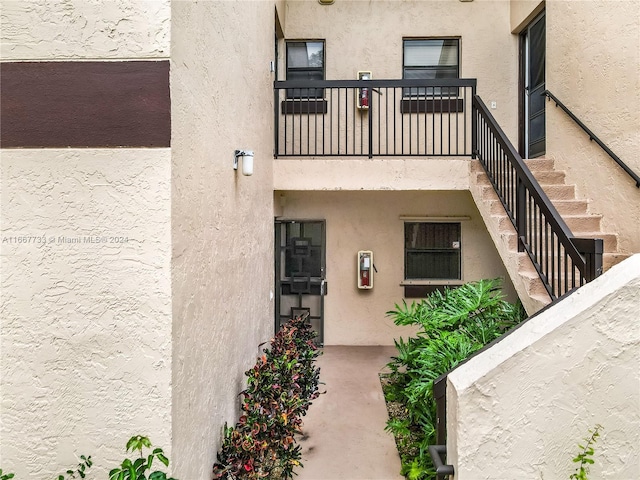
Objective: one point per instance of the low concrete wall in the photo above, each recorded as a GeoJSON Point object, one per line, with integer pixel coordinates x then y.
{"type": "Point", "coordinates": [522, 407]}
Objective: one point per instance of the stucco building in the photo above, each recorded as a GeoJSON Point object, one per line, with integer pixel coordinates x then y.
{"type": "Point", "coordinates": [140, 270]}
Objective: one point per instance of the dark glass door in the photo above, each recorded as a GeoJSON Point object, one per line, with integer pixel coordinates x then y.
{"type": "Point", "coordinates": [300, 272]}
{"type": "Point", "coordinates": [534, 85]}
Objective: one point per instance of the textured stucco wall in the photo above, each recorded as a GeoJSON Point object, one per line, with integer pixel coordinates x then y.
{"type": "Point", "coordinates": [527, 402]}
{"type": "Point", "coordinates": [363, 220]}
{"type": "Point", "coordinates": [222, 221]}
{"type": "Point", "coordinates": [365, 174]}
{"type": "Point", "coordinates": [367, 35]}
{"type": "Point", "coordinates": [86, 327]}
{"type": "Point", "coordinates": [84, 29]}
{"type": "Point", "coordinates": [523, 12]}
{"type": "Point", "coordinates": [597, 75]}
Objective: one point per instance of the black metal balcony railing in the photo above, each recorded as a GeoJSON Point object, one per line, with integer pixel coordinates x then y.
{"type": "Point", "coordinates": [434, 118]}
{"type": "Point", "coordinates": [401, 118]}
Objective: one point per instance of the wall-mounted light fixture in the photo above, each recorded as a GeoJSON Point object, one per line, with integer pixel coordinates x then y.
{"type": "Point", "coordinates": [325, 2]}
{"type": "Point", "coordinates": [247, 161]}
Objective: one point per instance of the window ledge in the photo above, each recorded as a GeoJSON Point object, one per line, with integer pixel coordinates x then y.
{"type": "Point", "coordinates": [423, 288]}
{"type": "Point", "coordinates": [304, 106]}
{"type": "Point", "coordinates": [432, 105]}
{"type": "Point", "coordinates": [456, 282]}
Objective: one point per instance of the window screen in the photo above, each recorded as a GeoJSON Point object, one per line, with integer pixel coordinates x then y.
{"type": "Point", "coordinates": [305, 61]}
{"type": "Point", "coordinates": [431, 59]}
{"type": "Point", "coordinates": [432, 250]}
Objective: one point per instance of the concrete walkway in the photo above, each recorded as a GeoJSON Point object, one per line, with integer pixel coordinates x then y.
{"type": "Point", "coordinates": [344, 437]}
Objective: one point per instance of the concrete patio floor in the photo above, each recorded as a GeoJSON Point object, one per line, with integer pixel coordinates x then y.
{"type": "Point", "coordinates": [344, 437]}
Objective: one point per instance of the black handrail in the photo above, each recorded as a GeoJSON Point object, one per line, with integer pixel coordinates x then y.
{"type": "Point", "coordinates": [436, 452]}
{"type": "Point", "coordinates": [401, 117]}
{"type": "Point", "coordinates": [562, 261]}
{"type": "Point", "coordinates": [593, 137]}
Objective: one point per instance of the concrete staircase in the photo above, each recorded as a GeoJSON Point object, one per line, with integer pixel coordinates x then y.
{"type": "Point", "coordinates": [574, 211]}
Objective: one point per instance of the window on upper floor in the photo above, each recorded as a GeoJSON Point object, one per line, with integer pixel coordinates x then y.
{"type": "Point", "coordinates": [432, 251]}
{"type": "Point", "coordinates": [305, 61]}
{"type": "Point", "coordinates": [433, 58]}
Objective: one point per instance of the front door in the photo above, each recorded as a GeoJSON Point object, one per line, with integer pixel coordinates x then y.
{"type": "Point", "coordinates": [533, 80]}
{"type": "Point", "coordinates": [300, 272]}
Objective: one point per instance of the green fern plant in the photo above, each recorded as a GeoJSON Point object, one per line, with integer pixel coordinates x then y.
{"type": "Point", "coordinates": [452, 325]}
{"type": "Point", "coordinates": [585, 457]}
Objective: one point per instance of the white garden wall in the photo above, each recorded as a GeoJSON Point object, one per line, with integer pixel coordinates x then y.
{"type": "Point", "coordinates": [519, 409]}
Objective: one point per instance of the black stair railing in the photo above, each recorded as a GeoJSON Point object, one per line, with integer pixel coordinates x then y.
{"type": "Point", "coordinates": [593, 137]}
{"type": "Point", "coordinates": [373, 118]}
{"type": "Point", "coordinates": [562, 261]}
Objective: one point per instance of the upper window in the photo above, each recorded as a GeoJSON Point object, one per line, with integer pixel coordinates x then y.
{"type": "Point", "coordinates": [305, 61]}
{"type": "Point", "coordinates": [432, 251]}
{"type": "Point", "coordinates": [431, 59]}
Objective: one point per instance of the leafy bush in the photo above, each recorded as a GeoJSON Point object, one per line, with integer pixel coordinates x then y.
{"type": "Point", "coordinates": [585, 457]}
{"type": "Point", "coordinates": [129, 470]}
{"type": "Point", "coordinates": [137, 469]}
{"type": "Point", "coordinates": [280, 388]}
{"type": "Point", "coordinates": [453, 324]}
{"type": "Point", "coordinates": [6, 476]}
{"type": "Point", "coordinates": [81, 470]}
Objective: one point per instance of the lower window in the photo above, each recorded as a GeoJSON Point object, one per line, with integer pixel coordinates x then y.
{"type": "Point", "coordinates": [432, 251]}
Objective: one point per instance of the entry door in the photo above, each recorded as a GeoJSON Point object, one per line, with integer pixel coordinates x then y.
{"type": "Point", "coordinates": [300, 272]}
{"type": "Point", "coordinates": [534, 52]}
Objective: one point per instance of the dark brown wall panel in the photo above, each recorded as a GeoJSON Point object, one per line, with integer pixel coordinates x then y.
{"type": "Point", "coordinates": [85, 104]}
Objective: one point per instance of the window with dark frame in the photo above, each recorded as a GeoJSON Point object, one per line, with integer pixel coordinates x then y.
{"type": "Point", "coordinates": [432, 251]}
{"type": "Point", "coordinates": [305, 61]}
{"type": "Point", "coordinates": [431, 59]}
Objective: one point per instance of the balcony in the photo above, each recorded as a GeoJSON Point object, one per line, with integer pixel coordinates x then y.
{"type": "Point", "coordinates": [374, 118]}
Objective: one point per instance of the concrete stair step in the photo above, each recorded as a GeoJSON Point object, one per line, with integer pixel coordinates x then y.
{"type": "Point", "coordinates": [544, 178]}
{"type": "Point", "coordinates": [609, 240]}
{"type": "Point", "coordinates": [564, 207]}
{"type": "Point", "coordinates": [554, 192]}
{"type": "Point", "coordinates": [540, 164]}
{"type": "Point", "coordinates": [571, 207]}
{"type": "Point", "coordinates": [511, 240]}
{"type": "Point", "coordinates": [560, 192]}
{"type": "Point", "coordinates": [575, 213]}
{"type": "Point", "coordinates": [533, 283]}
{"type": "Point", "coordinates": [550, 177]}
{"type": "Point", "coordinates": [476, 166]}
{"type": "Point", "coordinates": [611, 259]}
{"type": "Point", "coordinates": [576, 223]}
{"type": "Point", "coordinates": [482, 178]}
{"type": "Point", "coordinates": [583, 223]}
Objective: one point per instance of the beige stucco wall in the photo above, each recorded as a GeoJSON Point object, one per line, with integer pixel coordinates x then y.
{"type": "Point", "coordinates": [367, 35]}
{"type": "Point", "coordinates": [85, 358]}
{"type": "Point", "coordinates": [526, 403]}
{"type": "Point", "coordinates": [365, 174]}
{"type": "Point", "coordinates": [85, 336]}
{"type": "Point", "coordinates": [361, 220]}
{"type": "Point", "coordinates": [222, 221]}
{"type": "Point", "coordinates": [523, 12]}
{"type": "Point", "coordinates": [597, 75]}
{"type": "Point", "coordinates": [84, 29]}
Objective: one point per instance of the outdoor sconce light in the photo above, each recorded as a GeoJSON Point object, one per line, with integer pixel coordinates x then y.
{"type": "Point", "coordinates": [247, 161]}
{"type": "Point", "coordinates": [325, 2]}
